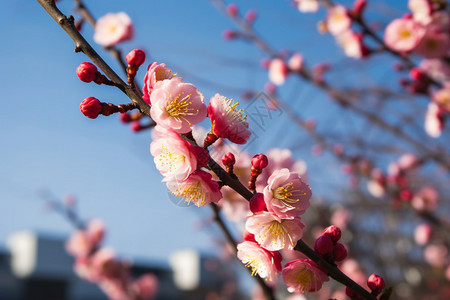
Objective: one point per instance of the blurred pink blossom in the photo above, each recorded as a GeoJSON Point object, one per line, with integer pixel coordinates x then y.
{"type": "Point", "coordinates": [303, 275]}
{"type": "Point", "coordinates": [422, 234]}
{"type": "Point", "coordinates": [113, 28]}
{"type": "Point", "coordinates": [403, 34]}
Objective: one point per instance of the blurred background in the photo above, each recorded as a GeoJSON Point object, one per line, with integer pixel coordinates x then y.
{"type": "Point", "coordinates": [51, 151]}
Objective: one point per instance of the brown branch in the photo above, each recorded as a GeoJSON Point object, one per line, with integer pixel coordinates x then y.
{"type": "Point", "coordinates": [81, 45]}
{"type": "Point", "coordinates": [268, 291]}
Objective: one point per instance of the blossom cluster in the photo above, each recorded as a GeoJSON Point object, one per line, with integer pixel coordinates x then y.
{"type": "Point", "coordinates": [99, 265]}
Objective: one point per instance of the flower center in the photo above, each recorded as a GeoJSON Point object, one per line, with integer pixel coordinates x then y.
{"type": "Point", "coordinates": [170, 160]}
{"type": "Point", "coordinates": [233, 114]}
{"type": "Point", "coordinates": [193, 192]}
{"type": "Point", "coordinates": [179, 107]}
{"type": "Point", "coordinates": [304, 279]}
{"type": "Point", "coordinates": [257, 266]}
{"type": "Point", "coordinates": [405, 34]}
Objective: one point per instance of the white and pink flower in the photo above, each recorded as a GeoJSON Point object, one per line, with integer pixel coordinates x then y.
{"type": "Point", "coordinates": [227, 121]}
{"type": "Point", "coordinates": [176, 158]}
{"type": "Point", "coordinates": [113, 28]}
{"type": "Point", "coordinates": [338, 20]}
{"type": "Point", "coordinates": [177, 105]}
{"type": "Point", "coordinates": [278, 71]}
{"type": "Point", "coordinates": [403, 34]}
{"type": "Point", "coordinates": [307, 6]}
{"type": "Point", "coordinates": [433, 120]}
{"type": "Point", "coordinates": [442, 98]}
{"type": "Point", "coordinates": [286, 194]}
{"type": "Point", "coordinates": [352, 44]}
{"type": "Point", "coordinates": [155, 72]}
{"type": "Point", "coordinates": [274, 233]}
{"type": "Point", "coordinates": [426, 200]}
{"type": "Point", "coordinates": [262, 262]}
{"type": "Point", "coordinates": [303, 275]}
{"type": "Point", "coordinates": [434, 44]}
{"type": "Point", "coordinates": [421, 10]}
{"type": "Point", "coordinates": [198, 188]}
{"type": "Point", "coordinates": [422, 234]}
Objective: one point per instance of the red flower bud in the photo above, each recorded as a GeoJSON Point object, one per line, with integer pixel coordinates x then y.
{"type": "Point", "coordinates": [229, 34]}
{"type": "Point", "coordinates": [91, 107]}
{"type": "Point", "coordinates": [358, 7]}
{"type": "Point", "coordinates": [375, 283]}
{"type": "Point", "coordinates": [340, 253]}
{"type": "Point", "coordinates": [259, 161]}
{"type": "Point", "coordinates": [251, 15]}
{"type": "Point", "coordinates": [87, 72]}
{"type": "Point", "coordinates": [257, 203]}
{"type": "Point", "coordinates": [135, 58]}
{"type": "Point", "coordinates": [334, 232]}
{"type": "Point", "coordinates": [125, 118]}
{"type": "Point", "coordinates": [136, 126]}
{"type": "Point", "coordinates": [416, 73]}
{"type": "Point", "coordinates": [228, 159]}
{"type": "Point", "coordinates": [323, 245]}
{"type": "Point", "coordinates": [232, 9]}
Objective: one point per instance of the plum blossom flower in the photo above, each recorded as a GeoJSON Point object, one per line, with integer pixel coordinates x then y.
{"type": "Point", "coordinates": [83, 242]}
{"type": "Point", "coordinates": [177, 105]}
{"type": "Point", "coordinates": [286, 194]}
{"type": "Point", "coordinates": [403, 34]}
{"type": "Point", "coordinates": [197, 188]}
{"type": "Point", "coordinates": [303, 275]}
{"type": "Point", "coordinates": [352, 44]}
{"type": "Point", "coordinates": [262, 262]}
{"type": "Point", "coordinates": [147, 286]}
{"type": "Point", "coordinates": [113, 28]}
{"type": "Point", "coordinates": [155, 72]}
{"type": "Point", "coordinates": [421, 10]}
{"type": "Point", "coordinates": [425, 200]}
{"type": "Point", "coordinates": [176, 158]}
{"type": "Point", "coordinates": [422, 234]}
{"type": "Point", "coordinates": [433, 120]}
{"type": "Point", "coordinates": [442, 98]}
{"type": "Point", "coordinates": [295, 63]}
{"type": "Point", "coordinates": [278, 71]}
{"type": "Point", "coordinates": [338, 20]}
{"type": "Point", "coordinates": [274, 233]}
{"type": "Point", "coordinates": [435, 255]}
{"type": "Point", "coordinates": [227, 121]}
{"type": "Point", "coordinates": [434, 44]}
{"type": "Point", "coordinates": [307, 5]}
{"type": "Point", "coordinates": [436, 69]}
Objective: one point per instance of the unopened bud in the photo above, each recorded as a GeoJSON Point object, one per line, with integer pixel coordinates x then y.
{"type": "Point", "coordinates": [91, 107]}
{"type": "Point", "coordinates": [232, 9]}
{"type": "Point", "coordinates": [323, 245]}
{"type": "Point", "coordinates": [87, 72]}
{"type": "Point", "coordinates": [340, 253]}
{"type": "Point", "coordinates": [257, 203]}
{"type": "Point", "coordinates": [259, 161]}
{"type": "Point", "coordinates": [251, 15]}
{"type": "Point", "coordinates": [228, 159]}
{"type": "Point", "coordinates": [135, 58]}
{"type": "Point", "coordinates": [375, 283]}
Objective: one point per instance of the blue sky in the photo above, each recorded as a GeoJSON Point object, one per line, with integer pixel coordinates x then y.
{"type": "Point", "coordinates": [48, 143]}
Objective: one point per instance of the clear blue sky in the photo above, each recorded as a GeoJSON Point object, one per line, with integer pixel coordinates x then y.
{"type": "Point", "coordinates": [48, 143]}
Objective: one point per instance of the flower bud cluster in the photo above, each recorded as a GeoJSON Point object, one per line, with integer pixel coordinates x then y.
{"type": "Point", "coordinates": [327, 245]}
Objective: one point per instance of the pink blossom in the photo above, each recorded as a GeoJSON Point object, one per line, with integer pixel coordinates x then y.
{"type": "Point", "coordinates": [341, 217]}
{"type": "Point", "coordinates": [407, 161]}
{"type": "Point", "coordinates": [303, 275]}
{"type": "Point", "coordinates": [176, 158]}
{"type": "Point", "coordinates": [261, 261]}
{"type": "Point", "coordinates": [295, 63]}
{"type": "Point", "coordinates": [278, 71]}
{"type": "Point", "coordinates": [155, 72]}
{"type": "Point", "coordinates": [197, 188]}
{"type": "Point", "coordinates": [307, 5]}
{"type": "Point", "coordinates": [274, 233]}
{"type": "Point", "coordinates": [286, 194]}
{"type": "Point", "coordinates": [113, 28]}
{"type": "Point", "coordinates": [422, 234]}
{"type": "Point", "coordinates": [421, 10]}
{"type": "Point", "coordinates": [338, 20]}
{"type": "Point", "coordinates": [375, 188]}
{"type": "Point", "coordinates": [403, 34]}
{"type": "Point", "coordinates": [433, 120]}
{"type": "Point", "coordinates": [177, 105]}
{"type": "Point", "coordinates": [147, 286]}
{"type": "Point", "coordinates": [436, 69]}
{"type": "Point", "coordinates": [227, 121]}
{"type": "Point", "coordinates": [435, 255]}
{"type": "Point", "coordinates": [352, 44]}
{"type": "Point", "coordinates": [79, 244]}
{"type": "Point", "coordinates": [434, 44]}
{"type": "Point", "coordinates": [96, 232]}
{"type": "Point", "coordinates": [442, 98]}
{"type": "Point", "coordinates": [425, 200]}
